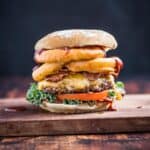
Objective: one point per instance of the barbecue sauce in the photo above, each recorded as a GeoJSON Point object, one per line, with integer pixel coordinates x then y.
{"type": "Point", "coordinates": [119, 65]}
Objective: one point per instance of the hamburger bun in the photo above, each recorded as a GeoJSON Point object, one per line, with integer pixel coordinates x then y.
{"type": "Point", "coordinates": [66, 109]}
{"type": "Point", "coordinates": [77, 38]}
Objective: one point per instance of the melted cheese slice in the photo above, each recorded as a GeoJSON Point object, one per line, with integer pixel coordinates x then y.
{"type": "Point", "coordinates": [74, 82]}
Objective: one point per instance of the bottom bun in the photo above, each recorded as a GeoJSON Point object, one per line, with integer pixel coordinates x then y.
{"type": "Point", "coordinates": [83, 108]}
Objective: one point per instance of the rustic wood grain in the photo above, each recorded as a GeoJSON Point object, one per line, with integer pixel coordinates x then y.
{"type": "Point", "coordinates": [79, 142]}
{"type": "Point", "coordinates": [23, 119]}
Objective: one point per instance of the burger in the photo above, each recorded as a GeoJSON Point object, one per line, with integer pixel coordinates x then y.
{"type": "Point", "coordinates": [73, 74]}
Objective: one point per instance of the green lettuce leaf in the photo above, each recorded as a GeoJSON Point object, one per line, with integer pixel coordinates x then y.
{"type": "Point", "coordinates": [36, 96]}
{"type": "Point", "coordinates": [120, 84]}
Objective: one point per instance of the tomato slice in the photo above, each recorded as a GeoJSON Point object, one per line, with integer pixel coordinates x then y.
{"type": "Point", "coordinates": [100, 96]}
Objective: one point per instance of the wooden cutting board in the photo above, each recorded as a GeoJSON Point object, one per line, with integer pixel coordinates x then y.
{"type": "Point", "coordinates": [19, 118]}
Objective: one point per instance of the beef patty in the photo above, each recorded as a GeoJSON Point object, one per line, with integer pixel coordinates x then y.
{"type": "Point", "coordinates": [77, 83]}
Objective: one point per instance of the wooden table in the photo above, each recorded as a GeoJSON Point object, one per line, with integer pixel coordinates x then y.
{"type": "Point", "coordinates": [79, 142]}
{"type": "Point", "coordinates": [15, 87]}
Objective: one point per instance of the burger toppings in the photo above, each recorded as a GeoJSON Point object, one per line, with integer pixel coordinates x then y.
{"type": "Point", "coordinates": [57, 77]}
{"type": "Point", "coordinates": [100, 96]}
{"type": "Point", "coordinates": [36, 96]}
{"type": "Point", "coordinates": [77, 83]}
{"type": "Point", "coordinates": [62, 74]}
{"type": "Point", "coordinates": [119, 65]}
{"type": "Point", "coordinates": [67, 55]}
{"type": "Point", "coordinates": [73, 70]}
{"type": "Point", "coordinates": [95, 66]}
{"type": "Point", "coordinates": [92, 76]}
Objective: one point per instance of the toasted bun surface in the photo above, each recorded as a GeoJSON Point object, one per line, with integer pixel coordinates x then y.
{"type": "Point", "coordinates": [63, 108]}
{"type": "Point", "coordinates": [77, 38]}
